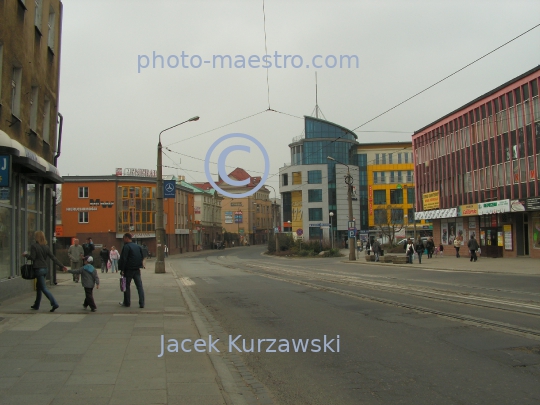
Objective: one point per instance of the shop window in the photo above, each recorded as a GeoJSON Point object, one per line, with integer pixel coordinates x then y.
{"type": "Point", "coordinates": [83, 192]}
{"type": "Point", "coordinates": [83, 217]}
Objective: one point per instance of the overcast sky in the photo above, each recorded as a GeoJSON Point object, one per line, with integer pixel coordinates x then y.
{"type": "Point", "coordinates": [113, 114]}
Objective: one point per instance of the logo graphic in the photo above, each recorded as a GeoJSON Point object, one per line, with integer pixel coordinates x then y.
{"type": "Point", "coordinates": [169, 188]}
{"type": "Point", "coordinates": [221, 165]}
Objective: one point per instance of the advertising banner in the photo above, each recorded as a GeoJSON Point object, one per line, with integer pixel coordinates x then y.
{"type": "Point", "coordinates": [430, 200]}
{"type": "Point", "coordinates": [228, 217]}
{"type": "Point", "coordinates": [467, 210]}
{"type": "Point", "coordinates": [533, 204]}
{"type": "Point", "coordinates": [494, 207]}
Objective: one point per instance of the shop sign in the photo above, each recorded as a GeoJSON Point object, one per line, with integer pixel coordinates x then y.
{"type": "Point", "coordinates": [467, 210]}
{"type": "Point", "coordinates": [138, 235]}
{"type": "Point", "coordinates": [104, 204]}
{"type": "Point", "coordinates": [228, 217]}
{"type": "Point", "coordinates": [507, 229]}
{"type": "Point", "coordinates": [5, 166]}
{"type": "Point", "coordinates": [430, 200]}
{"type": "Point", "coordinates": [533, 204]}
{"type": "Point", "coordinates": [517, 205]}
{"type": "Point", "coordinates": [81, 209]}
{"type": "Point", "coordinates": [59, 231]}
{"type": "Point", "coordinates": [136, 172]}
{"type": "Point", "coordinates": [436, 214]}
{"type": "Point", "coordinates": [236, 204]}
{"type": "Point", "coordinates": [494, 207]}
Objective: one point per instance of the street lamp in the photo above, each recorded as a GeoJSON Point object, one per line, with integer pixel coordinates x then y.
{"type": "Point", "coordinates": [160, 230]}
{"type": "Point", "coordinates": [349, 182]}
{"type": "Point", "coordinates": [274, 225]}
{"type": "Point", "coordinates": [332, 228]}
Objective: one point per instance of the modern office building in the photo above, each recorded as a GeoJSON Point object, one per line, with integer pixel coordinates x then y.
{"type": "Point", "coordinates": [312, 186]}
{"type": "Point", "coordinates": [476, 170]}
{"type": "Point", "coordinates": [30, 33]}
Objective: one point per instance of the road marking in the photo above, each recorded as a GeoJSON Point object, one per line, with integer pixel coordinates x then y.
{"type": "Point", "coordinates": [187, 281]}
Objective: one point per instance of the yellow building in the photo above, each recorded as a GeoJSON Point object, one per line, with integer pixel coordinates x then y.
{"type": "Point", "coordinates": [390, 189]}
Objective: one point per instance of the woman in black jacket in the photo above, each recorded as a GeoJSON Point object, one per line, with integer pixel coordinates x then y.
{"type": "Point", "coordinates": [39, 251]}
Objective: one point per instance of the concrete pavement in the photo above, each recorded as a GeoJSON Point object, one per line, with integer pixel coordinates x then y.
{"type": "Point", "coordinates": [519, 265]}
{"type": "Point", "coordinates": [73, 356]}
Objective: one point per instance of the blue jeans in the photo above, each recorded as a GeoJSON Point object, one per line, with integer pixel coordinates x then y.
{"type": "Point", "coordinates": [42, 287]}
{"type": "Point", "coordinates": [136, 276]}
{"type": "Point", "coordinates": [114, 265]}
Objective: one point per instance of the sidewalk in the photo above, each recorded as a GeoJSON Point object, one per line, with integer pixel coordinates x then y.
{"type": "Point", "coordinates": [519, 265]}
{"type": "Point", "coordinates": [74, 356]}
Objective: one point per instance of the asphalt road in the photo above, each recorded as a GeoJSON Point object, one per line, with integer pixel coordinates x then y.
{"type": "Point", "coordinates": [407, 336]}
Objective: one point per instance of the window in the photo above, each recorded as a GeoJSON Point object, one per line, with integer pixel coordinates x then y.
{"type": "Point", "coordinates": [410, 195]}
{"type": "Point", "coordinates": [315, 232]}
{"type": "Point", "coordinates": [383, 178]}
{"type": "Point", "coordinates": [315, 195]}
{"type": "Point", "coordinates": [407, 157]}
{"type": "Point", "coordinates": [392, 177]}
{"type": "Point", "coordinates": [33, 108]}
{"type": "Point", "coordinates": [285, 179]}
{"type": "Point", "coordinates": [399, 157]}
{"type": "Point", "coordinates": [377, 159]}
{"type": "Point", "coordinates": [384, 158]}
{"type": "Point", "coordinates": [380, 216]}
{"type": "Point", "coordinates": [50, 35]}
{"type": "Point", "coordinates": [46, 120]}
{"type": "Point", "coordinates": [397, 216]}
{"type": "Point", "coordinates": [396, 196]}
{"type": "Point", "coordinates": [400, 177]}
{"type": "Point", "coordinates": [315, 214]}
{"type": "Point", "coordinates": [375, 178]}
{"type": "Point", "coordinates": [410, 216]}
{"type": "Point", "coordinates": [390, 158]}
{"type": "Point", "coordinates": [16, 92]}
{"type": "Point", "coordinates": [83, 192]}
{"type": "Point", "coordinates": [379, 197]}
{"type": "Point", "coordinates": [83, 217]}
{"type": "Point", "coordinates": [38, 15]}
{"type": "Point", "coordinates": [409, 176]}
{"type": "Point", "coordinates": [314, 177]}
{"type": "Point", "coordinates": [297, 178]}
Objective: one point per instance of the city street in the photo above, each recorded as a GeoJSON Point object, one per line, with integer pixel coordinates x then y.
{"type": "Point", "coordinates": [407, 335]}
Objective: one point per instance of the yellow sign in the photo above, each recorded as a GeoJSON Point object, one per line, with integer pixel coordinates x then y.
{"type": "Point", "coordinates": [431, 200]}
{"type": "Point", "coordinates": [467, 210]}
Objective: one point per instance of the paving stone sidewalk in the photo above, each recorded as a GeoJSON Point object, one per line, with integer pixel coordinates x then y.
{"type": "Point", "coordinates": [518, 265]}
{"type": "Point", "coordinates": [74, 356]}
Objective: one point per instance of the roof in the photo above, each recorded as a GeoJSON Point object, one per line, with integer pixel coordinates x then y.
{"type": "Point", "coordinates": [489, 93]}
{"type": "Point", "coordinates": [332, 123]}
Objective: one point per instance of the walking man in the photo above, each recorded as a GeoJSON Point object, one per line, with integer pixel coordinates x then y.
{"type": "Point", "coordinates": [376, 247]}
{"type": "Point", "coordinates": [145, 255]}
{"type": "Point", "coordinates": [130, 267]}
{"type": "Point", "coordinates": [430, 246]}
{"type": "Point", "coordinates": [104, 254]}
{"type": "Point", "coordinates": [88, 247]}
{"type": "Point", "coordinates": [473, 247]}
{"type": "Point", "coordinates": [76, 254]}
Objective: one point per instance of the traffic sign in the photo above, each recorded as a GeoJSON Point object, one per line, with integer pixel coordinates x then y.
{"type": "Point", "coordinates": [352, 224]}
{"type": "Point", "coordinates": [299, 231]}
{"type": "Point", "coordinates": [352, 234]}
{"type": "Point", "coordinates": [276, 229]}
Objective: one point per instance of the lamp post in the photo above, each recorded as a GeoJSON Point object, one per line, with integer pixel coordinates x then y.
{"type": "Point", "coordinates": [274, 225]}
{"type": "Point", "coordinates": [349, 182]}
{"type": "Point", "coordinates": [332, 228]}
{"type": "Point", "coordinates": [160, 230]}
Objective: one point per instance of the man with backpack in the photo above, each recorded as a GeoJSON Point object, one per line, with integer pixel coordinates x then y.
{"type": "Point", "coordinates": [130, 264]}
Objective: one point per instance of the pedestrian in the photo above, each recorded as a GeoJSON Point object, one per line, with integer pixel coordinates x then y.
{"type": "Point", "coordinates": [473, 247]}
{"type": "Point", "coordinates": [130, 266]}
{"type": "Point", "coordinates": [114, 255]}
{"type": "Point", "coordinates": [376, 247]}
{"type": "Point", "coordinates": [441, 249]}
{"type": "Point", "coordinates": [419, 248]}
{"type": "Point", "coordinates": [88, 247]}
{"type": "Point", "coordinates": [89, 279]}
{"type": "Point", "coordinates": [39, 251]}
{"type": "Point", "coordinates": [76, 254]}
{"type": "Point", "coordinates": [368, 248]}
{"type": "Point", "coordinates": [457, 245]}
{"type": "Point", "coordinates": [410, 251]}
{"type": "Point", "coordinates": [104, 254]}
{"type": "Point", "coordinates": [145, 255]}
{"type": "Point", "coordinates": [166, 250]}
{"type": "Point", "coordinates": [358, 245]}
{"type": "Point", "coordinates": [430, 246]}
{"type": "Point", "coordinates": [233, 243]}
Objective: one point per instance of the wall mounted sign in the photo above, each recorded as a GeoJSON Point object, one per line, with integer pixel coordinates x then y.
{"type": "Point", "coordinates": [169, 188]}
{"type": "Point", "coordinates": [494, 207]}
{"type": "Point", "coordinates": [467, 210]}
{"type": "Point", "coordinates": [430, 201]}
{"type": "Point", "coordinates": [136, 172]}
{"type": "Point", "coordinates": [5, 170]}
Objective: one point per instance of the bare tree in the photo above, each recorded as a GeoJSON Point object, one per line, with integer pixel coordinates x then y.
{"type": "Point", "coordinates": [389, 221]}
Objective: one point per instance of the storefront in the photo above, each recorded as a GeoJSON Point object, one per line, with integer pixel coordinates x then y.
{"type": "Point", "coordinates": [26, 201]}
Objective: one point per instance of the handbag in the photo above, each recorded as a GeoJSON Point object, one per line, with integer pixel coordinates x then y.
{"type": "Point", "coordinates": [122, 284]}
{"type": "Point", "coordinates": [109, 265]}
{"type": "Point", "coordinates": [27, 271]}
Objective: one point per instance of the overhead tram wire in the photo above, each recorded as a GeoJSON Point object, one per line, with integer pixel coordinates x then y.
{"type": "Point", "coordinates": [447, 77]}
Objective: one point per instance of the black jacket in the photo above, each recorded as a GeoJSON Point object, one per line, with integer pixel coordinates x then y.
{"type": "Point", "coordinates": [131, 257]}
{"type": "Point", "coordinates": [88, 248]}
{"type": "Point", "coordinates": [473, 244]}
{"type": "Point", "coordinates": [104, 254]}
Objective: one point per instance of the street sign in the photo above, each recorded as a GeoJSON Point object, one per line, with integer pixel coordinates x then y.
{"type": "Point", "coordinates": [318, 225]}
{"type": "Point", "coordinates": [299, 231]}
{"type": "Point", "coordinates": [352, 224]}
{"type": "Point", "coordinates": [352, 234]}
{"type": "Point", "coordinates": [5, 167]}
{"type": "Point", "coordinates": [276, 230]}
{"type": "Point", "coordinates": [169, 188]}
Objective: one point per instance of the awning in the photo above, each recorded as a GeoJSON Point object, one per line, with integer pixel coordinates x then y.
{"type": "Point", "coordinates": [28, 161]}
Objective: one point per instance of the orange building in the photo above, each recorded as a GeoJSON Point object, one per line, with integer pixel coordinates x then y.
{"type": "Point", "coordinates": [106, 207]}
